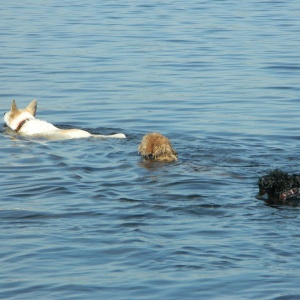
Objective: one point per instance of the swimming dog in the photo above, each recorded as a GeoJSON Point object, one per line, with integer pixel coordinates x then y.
{"type": "Point", "coordinates": [279, 186]}
{"type": "Point", "coordinates": [23, 121]}
{"type": "Point", "coordinates": [156, 147]}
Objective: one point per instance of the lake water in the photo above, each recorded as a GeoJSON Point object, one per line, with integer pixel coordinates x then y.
{"type": "Point", "coordinates": [87, 219]}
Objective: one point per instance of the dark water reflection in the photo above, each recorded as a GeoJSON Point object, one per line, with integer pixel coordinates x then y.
{"type": "Point", "coordinates": [87, 218]}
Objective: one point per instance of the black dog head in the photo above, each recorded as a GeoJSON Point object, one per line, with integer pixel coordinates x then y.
{"type": "Point", "coordinates": [279, 185]}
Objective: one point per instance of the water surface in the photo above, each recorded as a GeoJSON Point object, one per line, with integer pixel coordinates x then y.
{"type": "Point", "coordinates": [87, 219]}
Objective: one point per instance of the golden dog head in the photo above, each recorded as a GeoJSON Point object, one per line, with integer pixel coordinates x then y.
{"type": "Point", "coordinates": [154, 146]}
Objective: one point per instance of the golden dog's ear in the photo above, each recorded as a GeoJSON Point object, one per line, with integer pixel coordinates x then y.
{"type": "Point", "coordinates": [13, 106]}
{"type": "Point", "coordinates": [31, 108]}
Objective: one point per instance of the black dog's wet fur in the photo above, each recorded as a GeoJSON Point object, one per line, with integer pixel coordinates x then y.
{"type": "Point", "coordinates": [276, 183]}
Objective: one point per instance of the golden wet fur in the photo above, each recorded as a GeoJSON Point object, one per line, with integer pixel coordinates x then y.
{"type": "Point", "coordinates": [156, 147]}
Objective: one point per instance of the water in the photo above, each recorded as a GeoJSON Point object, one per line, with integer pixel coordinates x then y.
{"type": "Point", "coordinates": [87, 219]}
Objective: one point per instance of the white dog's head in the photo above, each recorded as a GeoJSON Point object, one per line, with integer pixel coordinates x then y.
{"type": "Point", "coordinates": [16, 116]}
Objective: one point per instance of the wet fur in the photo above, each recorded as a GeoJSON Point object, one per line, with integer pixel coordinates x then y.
{"type": "Point", "coordinates": [23, 121]}
{"type": "Point", "coordinates": [156, 147]}
{"type": "Point", "coordinates": [279, 186]}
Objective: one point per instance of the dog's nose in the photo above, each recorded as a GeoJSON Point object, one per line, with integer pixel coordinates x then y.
{"type": "Point", "coordinates": [150, 156]}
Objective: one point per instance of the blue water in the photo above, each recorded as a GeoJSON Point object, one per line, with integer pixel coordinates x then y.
{"type": "Point", "coordinates": [87, 219]}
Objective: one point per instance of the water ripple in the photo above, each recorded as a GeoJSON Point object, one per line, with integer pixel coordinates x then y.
{"type": "Point", "coordinates": [88, 219]}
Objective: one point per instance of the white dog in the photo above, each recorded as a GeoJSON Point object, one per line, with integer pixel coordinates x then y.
{"type": "Point", "coordinates": [23, 121]}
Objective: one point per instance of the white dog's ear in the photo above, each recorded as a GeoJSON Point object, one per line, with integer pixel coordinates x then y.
{"type": "Point", "coordinates": [13, 106]}
{"type": "Point", "coordinates": [31, 108]}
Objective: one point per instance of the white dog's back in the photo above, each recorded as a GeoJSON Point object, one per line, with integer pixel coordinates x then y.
{"type": "Point", "coordinates": [36, 126]}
